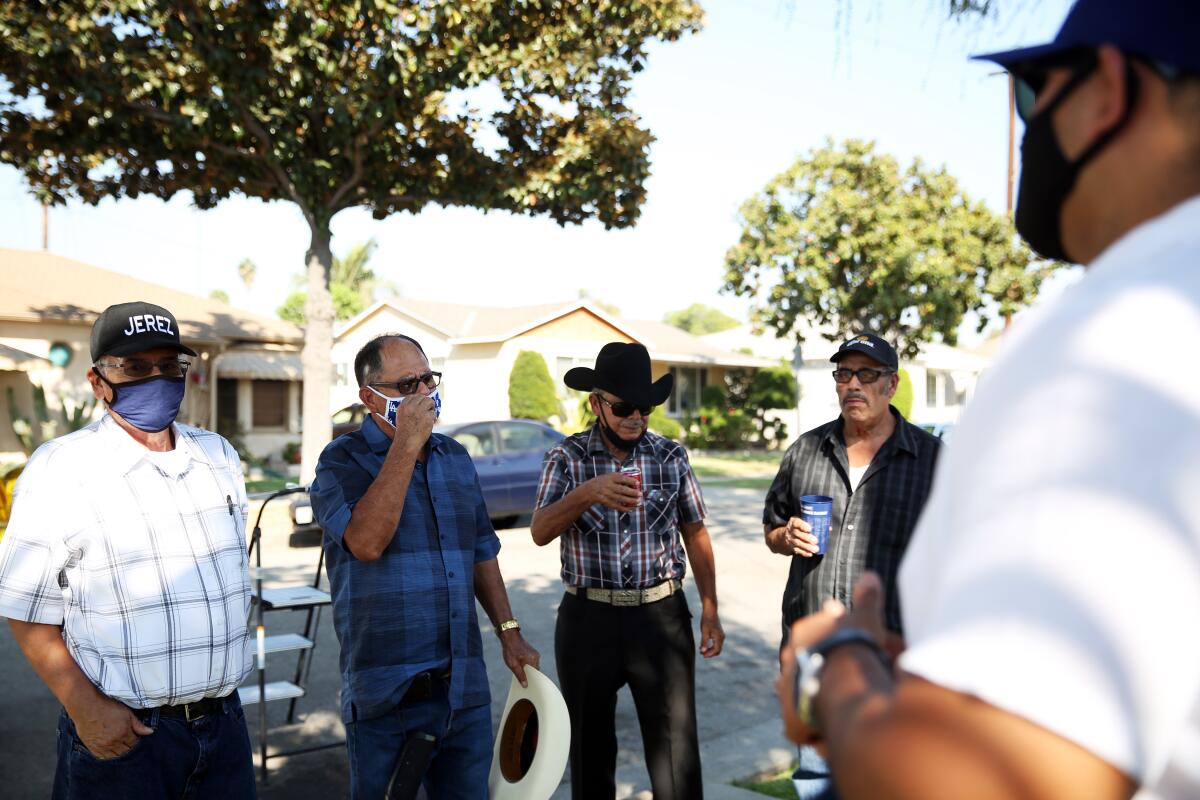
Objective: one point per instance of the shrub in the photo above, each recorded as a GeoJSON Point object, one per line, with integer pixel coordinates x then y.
{"type": "Point", "coordinates": [903, 399]}
{"type": "Point", "coordinates": [531, 393]}
{"type": "Point", "coordinates": [663, 425]}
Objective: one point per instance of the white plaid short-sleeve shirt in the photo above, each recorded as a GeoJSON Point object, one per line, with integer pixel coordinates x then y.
{"type": "Point", "coordinates": [141, 560]}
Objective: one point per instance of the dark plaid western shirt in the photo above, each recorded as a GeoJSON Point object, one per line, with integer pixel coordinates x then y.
{"type": "Point", "coordinates": [610, 549]}
{"type": "Point", "coordinates": [870, 526]}
{"type": "Point", "coordinates": [413, 609]}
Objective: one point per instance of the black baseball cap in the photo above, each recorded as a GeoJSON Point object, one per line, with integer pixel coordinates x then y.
{"type": "Point", "coordinates": [1160, 30]}
{"type": "Point", "coordinates": [871, 345]}
{"type": "Point", "coordinates": [128, 328]}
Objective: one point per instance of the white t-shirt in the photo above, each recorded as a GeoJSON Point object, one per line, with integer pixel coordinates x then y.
{"type": "Point", "coordinates": [1055, 572]}
{"type": "Point", "coordinates": [856, 475]}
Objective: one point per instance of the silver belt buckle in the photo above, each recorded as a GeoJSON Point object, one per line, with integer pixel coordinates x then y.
{"type": "Point", "coordinates": [627, 597]}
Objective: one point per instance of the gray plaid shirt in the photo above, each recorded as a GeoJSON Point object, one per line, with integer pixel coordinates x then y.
{"type": "Point", "coordinates": [870, 526]}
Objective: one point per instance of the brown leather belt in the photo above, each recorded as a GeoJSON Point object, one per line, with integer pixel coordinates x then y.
{"type": "Point", "coordinates": [628, 597]}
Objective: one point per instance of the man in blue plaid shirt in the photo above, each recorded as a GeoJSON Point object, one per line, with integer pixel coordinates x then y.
{"type": "Point", "coordinates": [409, 549]}
{"type": "Point", "coordinates": [623, 619]}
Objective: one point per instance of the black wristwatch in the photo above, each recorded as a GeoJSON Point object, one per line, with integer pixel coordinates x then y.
{"type": "Point", "coordinates": [811, 661]}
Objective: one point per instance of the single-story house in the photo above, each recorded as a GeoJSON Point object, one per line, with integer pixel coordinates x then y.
{"type": "Point", "coordinates": [475, 347]}
{"type": "Point", "coordinates": [47, 306]}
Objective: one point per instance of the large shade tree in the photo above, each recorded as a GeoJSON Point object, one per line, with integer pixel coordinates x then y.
{"type": "Point", "coordinates": [847, 239]}
{"type": "Point", "coordinates": [516, 105]}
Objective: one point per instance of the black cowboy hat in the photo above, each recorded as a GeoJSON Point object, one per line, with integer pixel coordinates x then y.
{"type": "Point", "coordinates": [622, 369]}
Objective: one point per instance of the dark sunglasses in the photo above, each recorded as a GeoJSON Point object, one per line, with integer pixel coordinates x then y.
{"type": "Point", "coordinates": [1029, 80]}
{"type": "Point", "coordinates": [865, 374]}
{"type": "Point", "coordinates": [624, 408]}
{"type": "Point", "coordinates": [409, 385]}
{"type": "Point", "coordinates": [141, 368]}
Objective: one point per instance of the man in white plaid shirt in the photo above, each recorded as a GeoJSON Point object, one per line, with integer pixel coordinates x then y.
{"type": "Point", "coordinates": [123, 574]}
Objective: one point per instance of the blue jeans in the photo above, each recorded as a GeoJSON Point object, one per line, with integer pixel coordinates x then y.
{"type": "Point", "coordinates": [206, 758]}
{"type": "Point", "coordinates": [811, 777]}
{"type": "Point", "coordinates": [462, 757]}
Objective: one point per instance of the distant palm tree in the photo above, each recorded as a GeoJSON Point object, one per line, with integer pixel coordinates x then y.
{"type": "Point", "coordinates": [246, 271]}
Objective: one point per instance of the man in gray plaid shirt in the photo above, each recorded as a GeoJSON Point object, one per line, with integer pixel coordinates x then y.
{"type": "Point", "coordinates": [623, 619]}
{"type": "Point", "coordinates": [123, 573]}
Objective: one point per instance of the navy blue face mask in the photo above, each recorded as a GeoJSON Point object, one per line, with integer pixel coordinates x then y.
{"type": "Point", "coordinates": [150, 404]}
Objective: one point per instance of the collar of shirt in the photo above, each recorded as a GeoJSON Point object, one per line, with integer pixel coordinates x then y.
{"type": "Point", "coordinates": [901, 438]}
{"type": "Point", "coordinates": [126, 452]}
{"type": "Point", "coordinates": [595, 443]}
{"type": "Point", "coordinates": [379, 442]}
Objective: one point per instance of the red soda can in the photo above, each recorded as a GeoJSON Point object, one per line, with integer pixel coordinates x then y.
{"type": "Point", "coordinates": [635, 473]}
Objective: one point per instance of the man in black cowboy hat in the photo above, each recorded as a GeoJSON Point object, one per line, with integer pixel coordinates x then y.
{"type": "Point", "coordinates": [626, 505]}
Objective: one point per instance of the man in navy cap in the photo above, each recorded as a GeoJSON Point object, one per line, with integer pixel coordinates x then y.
{"type": "Point", "coordinates": [1051, 587]}
{"type": "Point", "coordinates": [877, 468]}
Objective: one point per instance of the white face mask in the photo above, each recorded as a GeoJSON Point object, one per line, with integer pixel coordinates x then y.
{"type": "Point", "coordinates": [393, 403]}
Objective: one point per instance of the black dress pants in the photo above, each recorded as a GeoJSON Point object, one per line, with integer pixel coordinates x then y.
{"type": "Point", "coordinates": [599, 648]}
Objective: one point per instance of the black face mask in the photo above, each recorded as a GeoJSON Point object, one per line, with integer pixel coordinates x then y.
{"type": "Point", "coordinates": [1047, 177]}
{"type": "Point", "coordinates": [618, 441]}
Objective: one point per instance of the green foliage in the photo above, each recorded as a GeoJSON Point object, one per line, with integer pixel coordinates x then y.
{"type": "Point", "coordinates": [235, 434]}
{"type": "Point", "coordinates": [531, 393]}
{"type": "Point", "coordinates": [717, 424]}
{"type": "Point", "coordinates": [390, 107]}
{"type": "Point", "coordinates": [352, 283]}
{"type": "Point", "coordinates": [219, 294]}
{"type": "Point", "coordinates": [903, 398]}
{"type": "Point", "coordinates": [291, 453]}
{"type": "Point", "coordinates": [699, 319]}
{"type": "Point", "coordinates": [761, 390]}
{"type": "Point", "coordinates": [31, 433]}
{"type": "Point", "coordinates": [663, 425]}
{"type": "Point", "coordinates": [848, 239]}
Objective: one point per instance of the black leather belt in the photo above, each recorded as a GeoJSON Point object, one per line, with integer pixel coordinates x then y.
{"type": "Point", "coordinates": [423, 684]}
{"type": "Point", "coordinates": [193, 711]}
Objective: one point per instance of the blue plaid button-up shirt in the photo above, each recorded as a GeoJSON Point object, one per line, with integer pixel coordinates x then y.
{"type": "Point", "coordinates": [414, 608]}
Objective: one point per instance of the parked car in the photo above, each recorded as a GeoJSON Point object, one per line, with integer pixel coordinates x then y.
{"type": "Point", "coordinates": [507, 455]}
{"type": "Point", "coordinates": [942, 430]}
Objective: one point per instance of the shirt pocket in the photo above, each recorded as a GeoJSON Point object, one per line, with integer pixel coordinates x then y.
{"type": "Point", "coordinates": [660, 503]}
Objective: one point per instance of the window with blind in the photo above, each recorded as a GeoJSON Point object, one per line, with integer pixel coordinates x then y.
{"type": "Point", "coordinates": [270, 404]}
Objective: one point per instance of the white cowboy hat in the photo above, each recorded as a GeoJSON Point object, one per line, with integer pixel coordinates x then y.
{"type": "Point", "coordinates": [532, 743]}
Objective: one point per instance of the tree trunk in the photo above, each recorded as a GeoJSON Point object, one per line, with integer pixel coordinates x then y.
{"type": "Point", "coordinates": [315, 358]}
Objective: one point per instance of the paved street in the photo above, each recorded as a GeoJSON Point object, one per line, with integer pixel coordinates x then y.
{"type": "Point", "coordinates": [738, 720]}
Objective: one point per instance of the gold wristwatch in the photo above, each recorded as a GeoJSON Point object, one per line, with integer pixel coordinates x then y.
{"type": "Point", "coordinates": [508, 625]}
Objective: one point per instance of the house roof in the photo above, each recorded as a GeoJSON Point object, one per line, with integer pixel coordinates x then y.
{"type": "Point", "coordinates": [14, 360]}
{"type": "Point", "coordinates": [466, 324]}
{"type": "Point", "coordinates": [43, 287]}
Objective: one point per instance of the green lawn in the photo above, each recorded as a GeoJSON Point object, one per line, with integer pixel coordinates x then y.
{"type": "Point", "coordinates": [760, 484]}
{"type": "Point", "coordinates": [266, 485]}
{"type": "Point", "coordinates": [779, 785]}
{"type": "Point", "coordinates": [746, 464]}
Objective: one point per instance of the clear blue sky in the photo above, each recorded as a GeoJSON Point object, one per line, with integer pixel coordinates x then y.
{"type": "Point", "coordinates": [765, 81]}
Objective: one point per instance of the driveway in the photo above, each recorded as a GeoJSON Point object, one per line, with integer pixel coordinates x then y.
{"type": "Point", "coordinates": [737, 710]}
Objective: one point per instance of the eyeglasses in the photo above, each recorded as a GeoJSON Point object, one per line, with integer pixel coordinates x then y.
{"type": "Point", "coordinates": [142, 368]}
{"type": "Point", "coordinates": [865, 374]}
{"type": "Point", "coordinates": [1028, 82]}
{"type": "Point", "coordinates": [623, 408]}
{"type": "Point", "coordinates": [409, 385]}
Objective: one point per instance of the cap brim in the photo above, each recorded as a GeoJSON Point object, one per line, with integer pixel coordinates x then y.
{"type": "Point", "coordinates": [1011, 58]}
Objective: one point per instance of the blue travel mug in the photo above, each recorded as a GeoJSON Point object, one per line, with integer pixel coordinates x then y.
{"type": "Point", "coordinates": [816, 510]}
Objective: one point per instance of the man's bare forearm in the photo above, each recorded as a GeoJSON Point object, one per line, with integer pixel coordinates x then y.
{"type": "Point", "coordinates": [698, 545]}
{"type": "Point", "coordinates": [552, 521]}
{"type": "Point", "coordinates": [490, 591]}
{"type": "Point", "coordinates": [375, 517]}
{"type": "Point", "coordinates": [776, 542]}
{"type": "Point", "coordinates": [47, 653]}
{"type": "Point", "coordinates": [886, 739]}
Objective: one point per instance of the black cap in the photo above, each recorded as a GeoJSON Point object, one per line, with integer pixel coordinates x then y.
{"type": "Point", "coordinates": [1160, 30]}
{"type": "Point", "coordinates": [128, 328]}
{"type": "Point", "coordinates": [871, 345]}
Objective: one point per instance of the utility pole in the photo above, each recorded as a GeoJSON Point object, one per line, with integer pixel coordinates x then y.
{"type": "Point", "coordinates": [45, 227]}
{"type": "Point", "coordinates": [1012, 141]}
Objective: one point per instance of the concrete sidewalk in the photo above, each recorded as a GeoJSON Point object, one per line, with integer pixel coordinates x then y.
{"type": "Point", "coordinates": [736, 706]}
